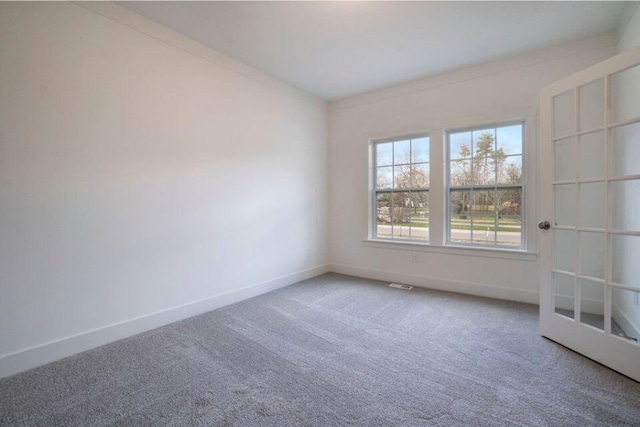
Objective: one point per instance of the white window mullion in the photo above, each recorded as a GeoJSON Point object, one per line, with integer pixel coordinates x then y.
{"type": "Point", "coordinates": [437, 186]}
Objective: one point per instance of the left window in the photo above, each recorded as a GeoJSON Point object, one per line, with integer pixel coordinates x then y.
{"type": "Point", "coordinates": [401, 194]}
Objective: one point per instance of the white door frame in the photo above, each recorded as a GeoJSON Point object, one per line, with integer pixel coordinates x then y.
{"type": "Point", "coordinates": [615, 352]}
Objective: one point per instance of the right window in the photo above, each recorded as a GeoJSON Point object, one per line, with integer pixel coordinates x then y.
{"type": "Point", "coordinates": [485, 186]}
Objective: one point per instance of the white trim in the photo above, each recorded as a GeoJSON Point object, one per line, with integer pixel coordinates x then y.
{"type": "Point", "coordinates": [477, 289]}
{"type": "Point", "coordinates": [149, 28]}
{"type": "Point", "coordinates": [39, 355]}
{"type": "Point", "coordinates": [477, 251]}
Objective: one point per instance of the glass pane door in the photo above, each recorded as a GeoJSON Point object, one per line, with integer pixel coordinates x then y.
{"type": "Point", "coordinates": [590, 281]}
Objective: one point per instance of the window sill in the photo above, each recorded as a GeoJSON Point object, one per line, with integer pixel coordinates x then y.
{"type": "Point", "coordinates": [514, 254]}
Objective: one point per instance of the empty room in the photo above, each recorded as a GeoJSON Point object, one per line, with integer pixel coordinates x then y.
{"type": "Point", "coordinates": [353, 213]}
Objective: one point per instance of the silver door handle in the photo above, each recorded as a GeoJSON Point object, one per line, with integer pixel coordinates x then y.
{"type": "Point", "coordinates": [544, 225]}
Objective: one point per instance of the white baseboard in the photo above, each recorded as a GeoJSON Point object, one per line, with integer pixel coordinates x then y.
{"type": "Point", "coordinates": [39, 355]}
{"type": "Point", "coordinates": [477, 289]}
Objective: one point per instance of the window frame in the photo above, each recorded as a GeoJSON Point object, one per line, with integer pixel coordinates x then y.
{"type": "Point", "coordinates": [373, 193]}
{"type": "Point", "coordinates": [447, 187]}
{"type": "Point", "coordinates": [438, 184]}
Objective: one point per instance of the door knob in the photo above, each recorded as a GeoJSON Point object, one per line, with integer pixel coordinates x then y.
{"type": "Point", "coordinates": [544, 225]}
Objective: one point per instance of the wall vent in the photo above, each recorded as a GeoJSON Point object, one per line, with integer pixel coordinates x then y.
{"type": "Point", "coordinates": [399, 286]}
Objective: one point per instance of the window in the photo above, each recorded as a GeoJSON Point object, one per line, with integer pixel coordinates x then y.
{"type": "Point", "coordinates": [485, 186]}
{"type": "Point", "coordinates": [401, 194]}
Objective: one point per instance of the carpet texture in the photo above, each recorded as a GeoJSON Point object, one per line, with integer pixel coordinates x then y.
{"type": "Point", "coordinates": [331, 351]}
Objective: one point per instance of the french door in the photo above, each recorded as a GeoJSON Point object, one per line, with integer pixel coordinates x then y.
{"type": "Point", "coordinates": [589, 208]}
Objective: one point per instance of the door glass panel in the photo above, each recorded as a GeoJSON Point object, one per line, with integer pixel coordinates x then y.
{"type": "Point", "coordinates": [592, 205]}
{"type": "Point", "coordinates": [592, 303]}
{"type": "Point", "coordinates": [565, 294]}
{"type": "Point", "coordinates": [624, 259]}
{"type": "Point", "coordinates": [564, 117]}
{"type": "Point", "coordinates": [592, 254]}
{"type": "Point", "coordinates": [625, 309]}
{"type": "Point", "coordinates": [592, 155]}
{"type": "Point", "coordinates": [625, 205]}
{"type": "Point", "coordinates": [624, 94]}
{"type": "Point", "coordinates": [625, 150]}
{"type": "Point", "coordinates": [565, 159]}
{"type": "Point", "coordinates": [565, 247]}
{"type": "Point", "coordinates": [592, 105]}
{"type": "Point", "coordinates": [565, 204]}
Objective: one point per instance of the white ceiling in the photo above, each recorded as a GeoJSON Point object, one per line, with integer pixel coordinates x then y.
{"type": "Point", "coordinates": [337, 49]}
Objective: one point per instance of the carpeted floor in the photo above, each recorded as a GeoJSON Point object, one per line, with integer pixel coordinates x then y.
{"type": "Point", "coordinates": [331, 351]}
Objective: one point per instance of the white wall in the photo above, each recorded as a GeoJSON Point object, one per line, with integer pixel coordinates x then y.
{"type": "Point", "coordinates": [630, 32]}
{"type": "Point", "coordinates": [144, 178]}
{"type": "Point", "coordinates": [483, 94]}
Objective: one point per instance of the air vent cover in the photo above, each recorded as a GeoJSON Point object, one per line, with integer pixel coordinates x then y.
{"type": "Point", "coordinates": [399, 286]}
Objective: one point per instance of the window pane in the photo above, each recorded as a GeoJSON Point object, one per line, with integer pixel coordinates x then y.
{"type": "Point", "coordinates": [460, 172]}
{"type": "Point", "coordinates": [383, 215]}
{"type": "Point", "coordinates": [509, 139]}
{"type": "Point", "coordinates": [402, 176]}
{"type": "Point", "coordinates": [460, 145]}
{"type": "Point", "coordinates": [419, 215]}
{"type": "Point", "coordinates": [484, 157]}
{"type": "Point", "coordinates": [481, 160]}
{"type": "Point", "coordinates": [484, 217]}
{"type": "Point", "coordinates": [509, 217]}
{"type": "Point", "coordinates": [510, 170]}
{"type": "Point", "coordinates": [460, 220]}
{"type": "Point", "coordinates": [384, 154]}
{"type": "Point", "coordinates": [402, 152]}
{"type": "Point", "coordinates": [420, 175]}
{"type": "Point", "coordinates": [384, 178]}
{"type": "Point", "coordinates": [420, 150]}
{"type": "Point", "coordinates": [401, 215]}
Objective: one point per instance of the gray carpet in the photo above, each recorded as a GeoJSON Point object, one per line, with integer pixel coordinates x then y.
{"type": "Point", "coordinates": [331, 351]}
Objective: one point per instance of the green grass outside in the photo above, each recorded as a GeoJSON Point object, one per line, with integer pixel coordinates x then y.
{"type": "Point", "coordinates": [479, 224]}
